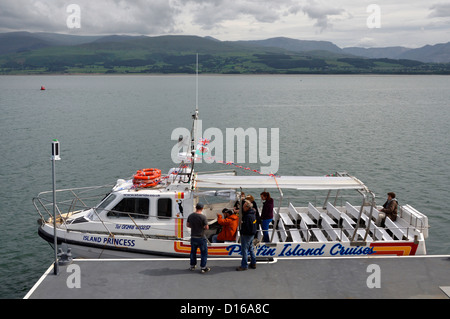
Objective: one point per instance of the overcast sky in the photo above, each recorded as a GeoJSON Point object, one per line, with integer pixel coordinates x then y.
{"type": "Point", "coordinates": [410, 23]}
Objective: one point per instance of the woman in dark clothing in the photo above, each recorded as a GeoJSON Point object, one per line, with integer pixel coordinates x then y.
{"type": "Point", "coordinates": [266, 214]}
{"type": "Point", "coordinates": [255, 207]}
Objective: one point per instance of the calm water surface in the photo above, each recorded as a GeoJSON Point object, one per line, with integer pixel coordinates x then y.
{"type": "Point", "coordinates": [391, 132]}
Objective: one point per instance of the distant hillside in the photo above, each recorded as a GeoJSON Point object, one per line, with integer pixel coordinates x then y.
{"type": "Point", "coordinates": [377, 53]}
{"type": "Point", "coordinates": [42, 53]}
{"type": "Point", "coordinates": [296, 45]}
{"type": "Point", "coordinates": [19, 42]}
{"type": "Point", "coordinates": [168, 44]}
{"type": "Point", "coordinates": [15, 42]}
{"type": "Point", "coordinates": [439, 53]}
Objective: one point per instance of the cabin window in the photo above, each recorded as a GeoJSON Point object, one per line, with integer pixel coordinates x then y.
{"type": "Point", "coordinates": [136, 208]}
{"type": "Point", "coordinates": [164, 208]}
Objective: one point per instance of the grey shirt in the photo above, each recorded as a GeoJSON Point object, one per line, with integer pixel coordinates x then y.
{"type": "Point", "coordinates": [197, 223]}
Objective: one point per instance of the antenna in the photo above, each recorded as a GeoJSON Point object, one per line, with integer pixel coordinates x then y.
{"type": "Point", "coordinates": [196, 89]}
{"type": "Point", "coordinates": [195, 116]}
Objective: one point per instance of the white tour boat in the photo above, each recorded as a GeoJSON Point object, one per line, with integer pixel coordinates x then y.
{"type": "Point", "coordinates": [146, 215]}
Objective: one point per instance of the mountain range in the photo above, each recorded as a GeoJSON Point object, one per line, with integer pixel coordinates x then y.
{"type": "Point", "coordinates": [24, 52]}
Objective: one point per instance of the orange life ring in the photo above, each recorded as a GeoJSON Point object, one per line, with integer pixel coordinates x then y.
{"type": "Point", "coordinates": [147, 174]}
{"type": "Point", "coordinates": [146, 185]}
{"type": "Point", "coordinates": [152, 175]}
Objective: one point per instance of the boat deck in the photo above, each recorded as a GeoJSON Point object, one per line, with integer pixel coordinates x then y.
{"type": "Point", "coordinates": [324, 278]}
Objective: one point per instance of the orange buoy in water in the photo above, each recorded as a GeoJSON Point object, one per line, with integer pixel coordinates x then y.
{"type": "Point", "coordinates": [42, 88]}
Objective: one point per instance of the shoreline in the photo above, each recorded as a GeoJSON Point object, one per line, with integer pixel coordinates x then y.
{"type": "Point", "coordinates": [228, 74]}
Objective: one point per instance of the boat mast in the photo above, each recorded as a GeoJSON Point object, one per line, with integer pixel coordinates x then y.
{"type": "Point", "coordinates": [194, 124]}
{"type": "Point", "coordinates": [196, 86]}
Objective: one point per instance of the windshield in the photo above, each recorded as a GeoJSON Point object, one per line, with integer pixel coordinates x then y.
{"type": "Point", "coordinates": [108, 200]}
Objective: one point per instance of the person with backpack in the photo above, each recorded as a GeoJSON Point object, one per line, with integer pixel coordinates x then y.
{"type": "Point", "coordinates": [248, 231]}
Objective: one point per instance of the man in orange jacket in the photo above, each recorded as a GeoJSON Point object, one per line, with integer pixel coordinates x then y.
{"type": "Point", "coordinates": [229, 226]}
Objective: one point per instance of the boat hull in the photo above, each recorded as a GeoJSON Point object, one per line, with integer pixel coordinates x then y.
{"type": "Point", "coordinates": [85, 245]}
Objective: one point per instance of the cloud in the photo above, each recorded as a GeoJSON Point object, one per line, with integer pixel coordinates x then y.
{"type": "Point", "coordinates": [36, 15]}
{"type": "Point", "coordinates": [343, 21]}
{"type": "Point", "coordinates": [138, 16]}
{"type": "Point", "coordinates": [211, 14]}
{"type": "Point", "coordinates": [440, 10]}
{"type": "Point", "coordinates": [321, 13]}
{"type": "Point", "coordinates": [97, 17]}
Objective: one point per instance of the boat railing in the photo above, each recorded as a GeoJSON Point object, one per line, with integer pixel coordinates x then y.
{"type": "Point", "coordinates": [414, 218]}
{"type": "Point", "coordinates": [69, 200]}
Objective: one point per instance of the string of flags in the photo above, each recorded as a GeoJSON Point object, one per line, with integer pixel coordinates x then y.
{"type": "Point", "coordinates": [203, 150]}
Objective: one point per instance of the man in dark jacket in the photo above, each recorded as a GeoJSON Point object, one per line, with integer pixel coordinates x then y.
{"type": "Point", "coordinates": [248, 231]}
{"type": "Point", "coordinates": [390, 207]}
{"type": "Point", "coordinates": [389, 210]}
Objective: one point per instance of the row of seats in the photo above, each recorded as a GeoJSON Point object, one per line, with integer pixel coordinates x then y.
{"type": "Point", "coordinates": [336, 225]}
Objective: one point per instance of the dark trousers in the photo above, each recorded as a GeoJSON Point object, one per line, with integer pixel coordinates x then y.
{"type": "Point", "coordinates": [202, 244]}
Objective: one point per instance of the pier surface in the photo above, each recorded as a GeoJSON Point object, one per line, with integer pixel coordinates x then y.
{"type": "Point", "coordinates": [324, 278]}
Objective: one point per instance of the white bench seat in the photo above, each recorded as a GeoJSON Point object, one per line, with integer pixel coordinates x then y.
{"type": "Point", "coordinates": [333, 211]}
{"type": "Point", "coordinates": [407, 229]}
{"type": "Point", "coordinates": [327, 218]}
{"type": "Point", "coordinates": [275, 238]}
{"type": "Point", "coordinates": [286, 219]}
{"type": "Point", "coordinates": [314, 212]}
{"type": "Point", "coordinates": [300, 216]}
{"type": "Point", "coordinates": [336, 213]}
{"type": "Point", "coordinates": [304, 231]}
{"type": "Point", "coordinates": [379, 232]}
{"type": "Point", "coordinates": [375, 212]}
{"type": "Point", "coordinates": [308, 221]}
{"type": "Point", "coordinates": [295, 235]}
{"type": "Point", "coordinates": [282, 231]}
{"type": "Point", "coordinates": [318, 215]}
{"type": "Point", "coordinates": [319, 235]}
{"type": "Point", "coordinates": [353, 211]}
{"type": "Point", "coordinates": [351, 230]}
{"type": "Point", "coordinates": [399, 233]}
{"type": "Point", "coordinates": [348, 219]}
{"type": "Point", "coordinates": [334, 233]}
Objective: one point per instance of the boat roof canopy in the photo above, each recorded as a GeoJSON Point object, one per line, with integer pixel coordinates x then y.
{"type": "Point", "coordinates": [283, 182]}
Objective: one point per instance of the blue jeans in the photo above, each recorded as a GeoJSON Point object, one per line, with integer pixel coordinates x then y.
{"type": "Point", "coordinates": [202, 244]}
{"type": "Point", "coordinates": [246, 247]}
{"type": "Point", "coordinates": [265, 227]}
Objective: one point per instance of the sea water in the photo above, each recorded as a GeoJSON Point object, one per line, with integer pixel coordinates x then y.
{"type": "Point", "coordinates": [391, 132]}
